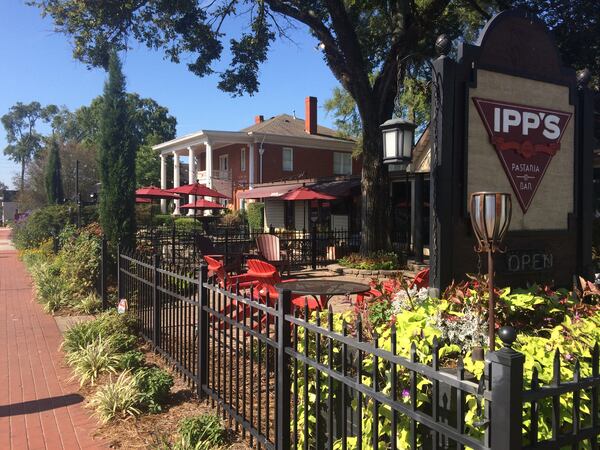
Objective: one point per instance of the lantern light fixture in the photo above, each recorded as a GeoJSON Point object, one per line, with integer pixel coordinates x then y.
{"type": "Point", "coordinates": [490, 217]}
{"type": "Point", "coordinates": [398, 137]}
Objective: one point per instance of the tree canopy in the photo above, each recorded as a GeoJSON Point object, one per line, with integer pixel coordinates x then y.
{"type": "Point", "coordinates": [24, 140]}
{"type": "Point", "coordinates": [364, 43]}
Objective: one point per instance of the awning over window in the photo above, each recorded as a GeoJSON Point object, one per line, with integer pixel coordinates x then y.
{"type": "Point", "coordinates": [336, 188]}
{"type": "Point", "coordinates": [274, 191]}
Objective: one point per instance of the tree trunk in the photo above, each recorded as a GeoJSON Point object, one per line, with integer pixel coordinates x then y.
{"type": "Point", "coordinates": [376, 208]}
{"type": "Point", "coordinates": [22, 176]}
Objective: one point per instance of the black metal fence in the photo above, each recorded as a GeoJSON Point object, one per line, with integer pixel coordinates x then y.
{"type": "Point", "coordinates": [303, 248]}
{"type": "Point", "coordinates": [289, 379]}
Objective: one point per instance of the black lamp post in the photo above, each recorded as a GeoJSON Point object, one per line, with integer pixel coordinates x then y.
{"type": "Point", "coordinates": [398, 134]}
{"type": "Point", "coordinates": [490, 218]}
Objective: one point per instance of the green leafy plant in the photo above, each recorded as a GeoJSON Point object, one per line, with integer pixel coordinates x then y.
{"type": "Point", "coordinates": [131, 360]}
{"type": "Point", "coordinates": [565, 322]}
{"type": "Point", "coordinates": [120, 328]}
{"type": "Point", "coordinates": [154, 385]}
{"type": "Point", "coordinates": [117, 399]}
{"type": "Point", "coordinates": [89, 304]}
{"type": "Point", "coordinates": [375, 261]}
{"type": "Point", "coordinates": [203, 432]}
{"type": "Point", "coordinates": [40, 226]}
{"type": "Point", "coordinates": [256, 215]}
{"type": "Point", "coordinates": [91, 361]}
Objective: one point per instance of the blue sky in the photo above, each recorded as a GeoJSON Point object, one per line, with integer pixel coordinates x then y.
{"type": "Point", "coordinates": [37, 65]}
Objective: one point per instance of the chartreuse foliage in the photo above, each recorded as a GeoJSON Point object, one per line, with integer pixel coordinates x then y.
{"type": "Point", "coordinates": [562, 329]}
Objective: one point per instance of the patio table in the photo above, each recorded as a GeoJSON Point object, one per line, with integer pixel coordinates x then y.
{"type": "Point", "coordinates": [323, 289]}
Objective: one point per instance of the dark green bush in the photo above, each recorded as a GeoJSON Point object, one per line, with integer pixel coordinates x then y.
{"type": "Point", "coordinates": [163, 219]}
{"type": "Point", "coordinates": [205, 431]}
{"type": "Point", "coordinates": [187, 223]}
{"type": "Point", "coordinates": [131, 360]}
{"type": "Point", "coordinates": [89, 214]}
{"type": "Point", "coordinates": [41, 225]}
{"type": "Point", "coordinates": [154, 385]}
{"type": "Point", "coordinates": [255, 213]}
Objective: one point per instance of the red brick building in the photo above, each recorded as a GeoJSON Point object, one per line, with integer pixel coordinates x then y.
{"type": "Point", "coordinates": [281, 148]}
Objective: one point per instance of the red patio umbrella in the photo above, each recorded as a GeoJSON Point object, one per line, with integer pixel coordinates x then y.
{"type": "Point", "coordinates": [154, 192]}
{"type": "Point", "coordinates": [197, 189]}
{"type": "Point", "coordinates": [304, 193]}
{"type": "Point", "coordinates": [142, 200]}
{"type": "Point", "coordinates": [203, 204]}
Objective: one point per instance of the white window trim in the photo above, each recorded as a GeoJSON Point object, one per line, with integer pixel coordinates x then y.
{"type": "Point", "coordinates": [223, 158]}
{"type": "Point", "coordinates": [243, 159]}
{"type": "Point", "coordinates": [291, 150]}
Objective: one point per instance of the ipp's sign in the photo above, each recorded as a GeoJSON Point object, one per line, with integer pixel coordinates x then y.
{"type": "Point", "coordinates": [525, 138]}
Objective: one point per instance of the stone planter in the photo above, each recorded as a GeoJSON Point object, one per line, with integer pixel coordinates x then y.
{"type": "Point", "coordinates": [361, 273]}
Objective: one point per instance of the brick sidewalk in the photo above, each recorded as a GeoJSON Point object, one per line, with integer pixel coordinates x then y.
{"type": "Point", "coordinates": [39, 407]}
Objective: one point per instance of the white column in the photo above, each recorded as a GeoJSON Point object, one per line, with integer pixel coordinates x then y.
{"type": "Point", "coordinates": [209, 164]}
{"type": "Point", "coordinates": [251, 166]}
{"type": "Point", "coordinates": [209, 170]}
{"type": "Point", "coordinates": [192, 175]}
{"type": "Point", "coordinates": [176, 180]}
{"type": "Point", "coordinates": [163, 181]}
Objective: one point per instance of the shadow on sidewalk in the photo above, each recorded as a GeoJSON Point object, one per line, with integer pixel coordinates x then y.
{"type": "Point", "coordinates": [43, 404]}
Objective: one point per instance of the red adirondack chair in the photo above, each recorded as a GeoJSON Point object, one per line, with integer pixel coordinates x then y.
{"type": "Point", "coordinates": [267, 276]}
{"type": "Point", "coordinates": [269, 248]}
{"type": "Point", "coordinates": [216, 268]}
{"type": "Point", "coordinates": [229, 282]}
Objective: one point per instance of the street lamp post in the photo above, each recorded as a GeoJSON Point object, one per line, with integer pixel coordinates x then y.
{"type": "Point", "coordinates": [399, 133]}
{"type": "Point", "coordinates": [490, 218]}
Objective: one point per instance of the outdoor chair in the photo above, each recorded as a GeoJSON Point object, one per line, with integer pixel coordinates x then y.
{"type": "Point", "coordinates": [267, 277]}
{"type": "Point", "coordinates": [230, 283]}
{"type": "Point", "coordinates": [269, 248]}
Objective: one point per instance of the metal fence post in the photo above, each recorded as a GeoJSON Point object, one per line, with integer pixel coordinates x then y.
{"type": "Point", "coordinates": [507, 393]}
{"type": "Point", "coordinates": [103, 274]}
{"type": "Point", "coordinates": [119, 280]}
{"type": "Point", "coordinates": [313, 246]}
{"type": "Point", "coordinates": [156, 309]}
{"type": "Point", "coordinates": [284, 375]}
{"type": "Point", "coordinates": [202, 372]}
{"type": "Point", "coordinates": [226, 258]}
{"type": "Point", "coordinates": [173, 236]}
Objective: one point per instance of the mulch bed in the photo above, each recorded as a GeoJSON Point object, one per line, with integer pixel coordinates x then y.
{"type": "Point", "coordinates": [157, 431]}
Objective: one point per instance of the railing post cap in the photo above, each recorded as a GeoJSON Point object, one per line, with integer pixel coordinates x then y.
{"type": "Point", "coordinates": [507, 335]}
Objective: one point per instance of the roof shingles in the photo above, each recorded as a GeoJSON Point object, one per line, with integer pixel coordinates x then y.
{"type": "Point", "coordinates": [286, 125]}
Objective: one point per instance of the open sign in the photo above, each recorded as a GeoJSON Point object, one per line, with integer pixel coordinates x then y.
{"type": "Point", "coordinates": [529, 261]}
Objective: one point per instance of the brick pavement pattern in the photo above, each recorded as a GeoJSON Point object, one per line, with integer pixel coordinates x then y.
{"type": "Point", "coordinates": [40, 407]}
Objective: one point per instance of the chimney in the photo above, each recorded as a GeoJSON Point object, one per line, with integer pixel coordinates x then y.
{"type": "Point", "coordinates": [259, 119]}
{"type": "Point", "coordinates": [310, 121]}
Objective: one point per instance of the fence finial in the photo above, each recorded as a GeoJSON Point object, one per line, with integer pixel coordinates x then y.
{"type": "Point", "coordinates": [507, 335]}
